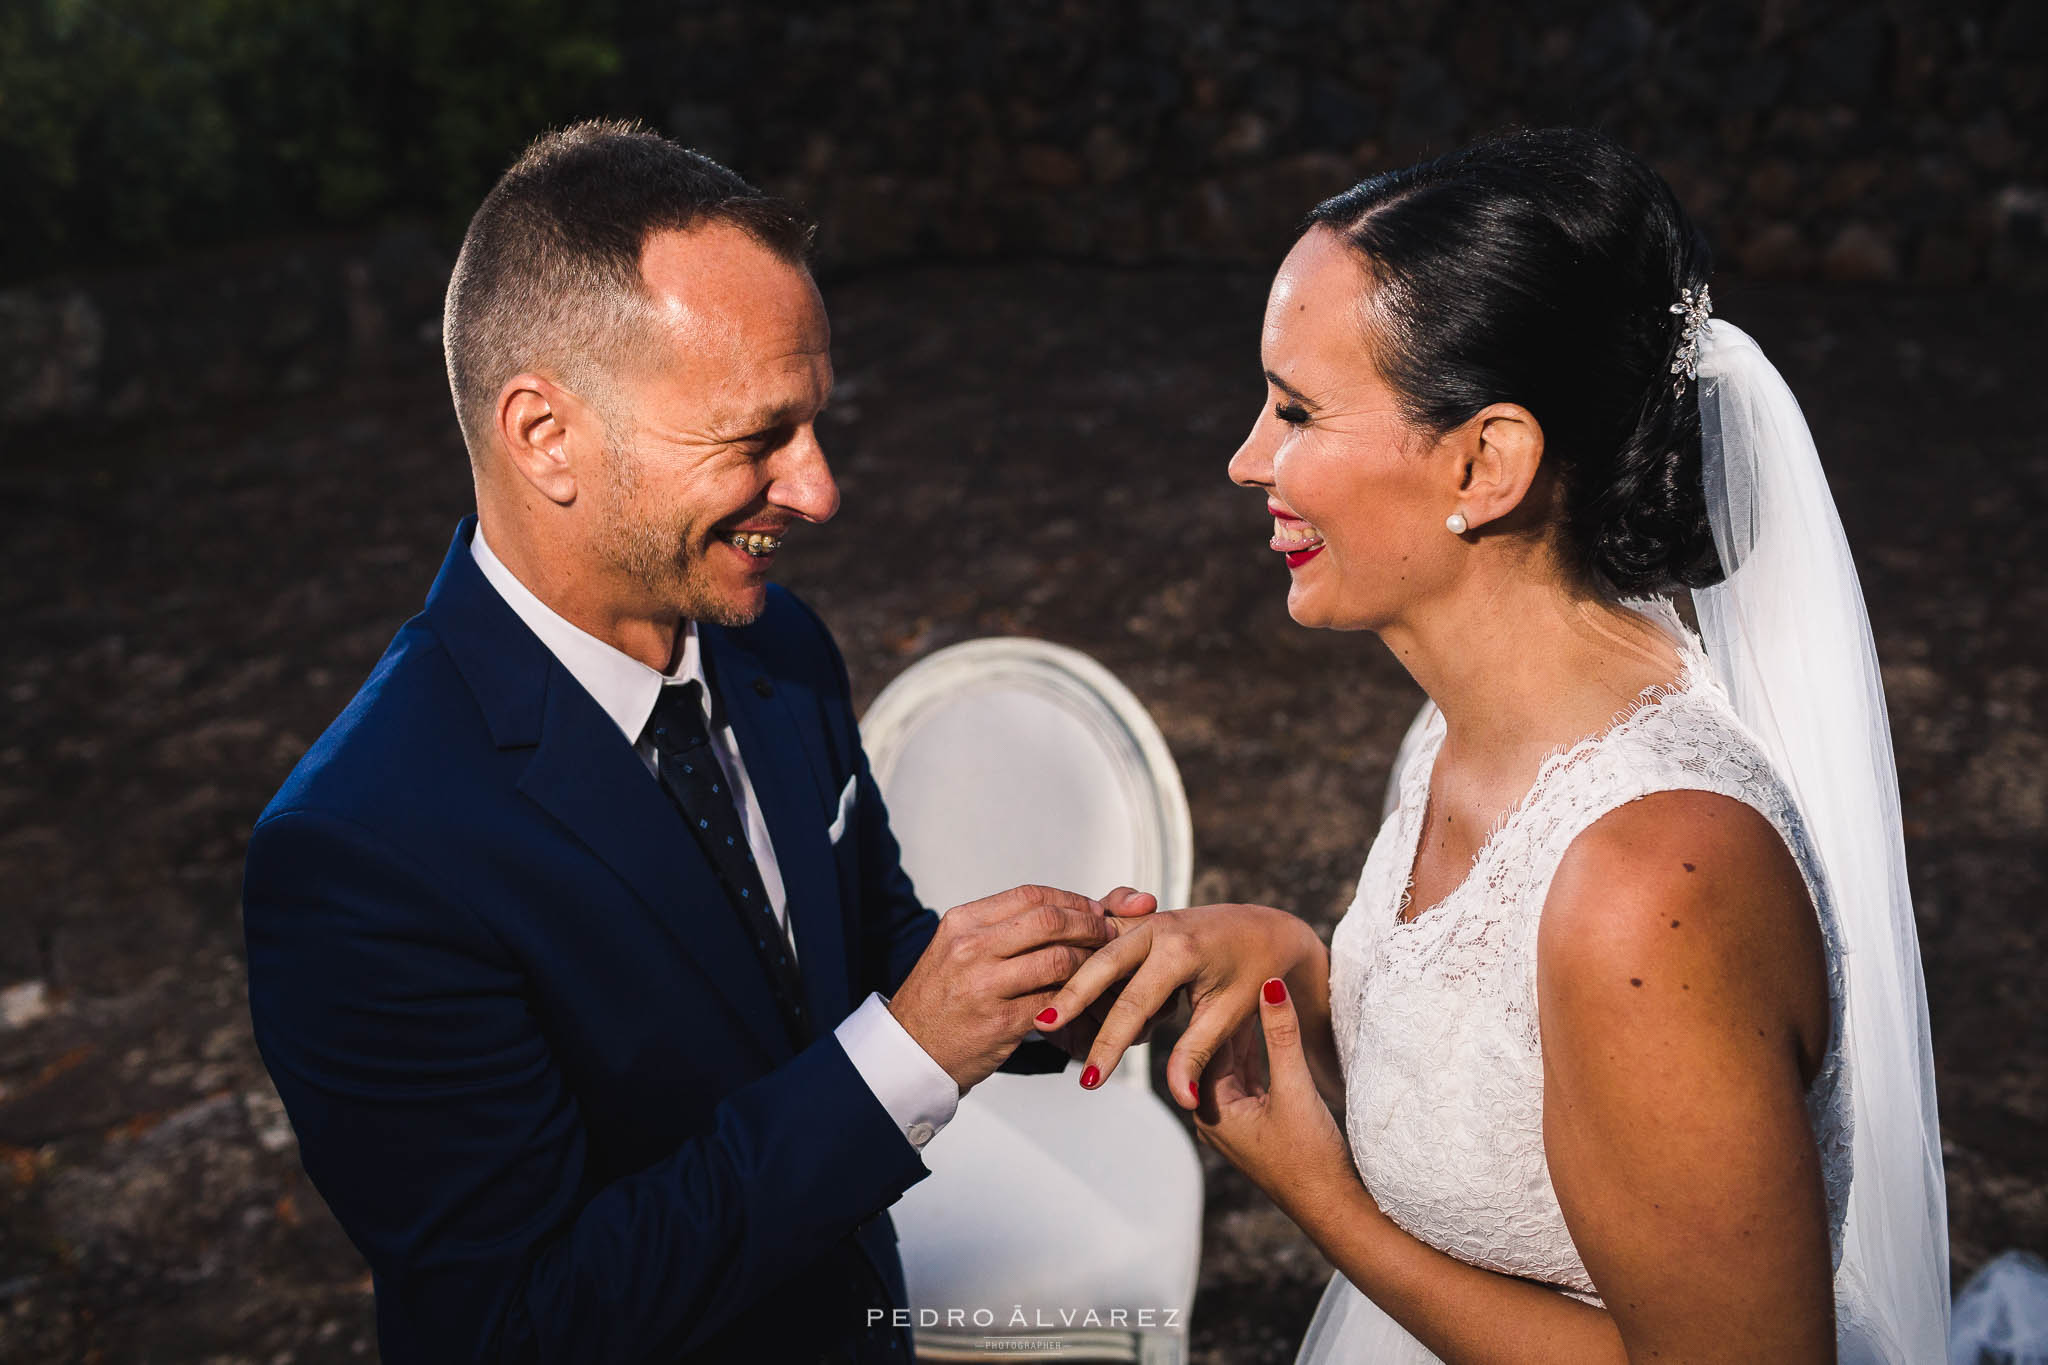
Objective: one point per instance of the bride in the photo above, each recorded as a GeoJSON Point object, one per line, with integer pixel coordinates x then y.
{"type": "Point", "coordinates": [1625, 1024]}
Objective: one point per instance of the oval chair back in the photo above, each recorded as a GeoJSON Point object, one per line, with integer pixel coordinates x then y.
{"type": "Point", "coordinates": [1013, 761]}
{"type": "Point", "coordinates": [1008, 761]}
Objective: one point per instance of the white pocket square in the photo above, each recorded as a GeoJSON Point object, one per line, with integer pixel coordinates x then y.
{"type": "Point", "coordinates": [845, 809]}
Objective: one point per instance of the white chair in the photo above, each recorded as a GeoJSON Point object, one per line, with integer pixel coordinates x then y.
{"type": "Point", "coordinates": [1057, 1222]}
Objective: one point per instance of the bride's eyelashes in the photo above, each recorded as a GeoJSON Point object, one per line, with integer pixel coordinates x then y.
{"type": "Point", "coordinates": [1293, 414]}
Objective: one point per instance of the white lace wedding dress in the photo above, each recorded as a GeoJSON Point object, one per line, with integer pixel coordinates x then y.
{"type": "Point", "coordinates": [1435, 1018]}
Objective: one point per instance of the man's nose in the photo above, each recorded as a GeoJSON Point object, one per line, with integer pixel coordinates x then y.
{"type": "Point", "coordinates": [804, 483]}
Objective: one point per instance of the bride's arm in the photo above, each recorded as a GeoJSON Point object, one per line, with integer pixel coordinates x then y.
{"type": "Point", "coordinates": [1674, 1118]}
{"type": "Point", "coordinates": [1682, 992]}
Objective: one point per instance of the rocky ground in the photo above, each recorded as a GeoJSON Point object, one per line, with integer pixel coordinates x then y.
{"type": "Point", "coordinates": [1031, 449]}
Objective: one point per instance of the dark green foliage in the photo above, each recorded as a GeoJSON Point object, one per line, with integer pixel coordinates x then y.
{"type": "Point", "coordinates": [129, 127]}
{"type": "Point", "coordinates": [1832, 138]}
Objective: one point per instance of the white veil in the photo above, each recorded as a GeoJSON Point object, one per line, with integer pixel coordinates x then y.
{"type": "Point", "coordinates": [1788, 636]}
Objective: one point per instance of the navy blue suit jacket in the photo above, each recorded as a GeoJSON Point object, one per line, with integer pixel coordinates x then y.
{"type": "Point", "coordinates": [534, 1067]}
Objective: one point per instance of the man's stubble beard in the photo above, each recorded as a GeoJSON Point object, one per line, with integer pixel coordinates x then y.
{"type": "Point", "coordinates": [659, 557]}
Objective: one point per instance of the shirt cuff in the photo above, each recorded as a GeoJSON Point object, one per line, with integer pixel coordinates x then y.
{"type": "Point", "coordinates": [915, 1090]}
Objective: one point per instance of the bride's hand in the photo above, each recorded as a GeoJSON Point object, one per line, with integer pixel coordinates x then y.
{"type": "Point", "coordinates": [1075, 1032]}
{"type": "Point", "coordinates": [1220, 953]}
{"type": "Point", "coordinates": [1262, 1111]}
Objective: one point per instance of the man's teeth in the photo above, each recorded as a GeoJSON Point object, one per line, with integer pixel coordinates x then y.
{"type": "Point", "coordinates": [1290, 536]}
{"type": "Point", "coordinates": [756, 543]}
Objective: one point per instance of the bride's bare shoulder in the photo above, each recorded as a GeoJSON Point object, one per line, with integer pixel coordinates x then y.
{"type": "Point", "coordinates": [1681, 1008]}
{"type": "Point", "coordinates": [1684, 899]}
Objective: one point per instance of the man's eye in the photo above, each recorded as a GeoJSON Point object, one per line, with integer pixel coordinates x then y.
{"type": "Point", "coordinates": [1291, 413]}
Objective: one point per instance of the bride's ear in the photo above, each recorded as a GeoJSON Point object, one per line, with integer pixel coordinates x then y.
{"type": "Point", "coordinates": [1500, 451]}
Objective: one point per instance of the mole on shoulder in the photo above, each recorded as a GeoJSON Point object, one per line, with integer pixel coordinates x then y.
{"type": "Point", "coordinates": [1674, 924]}
{"type": "Point", "coordinates": [1689, 867]}
{"type": "Point", "coordinates": [1635, 981]}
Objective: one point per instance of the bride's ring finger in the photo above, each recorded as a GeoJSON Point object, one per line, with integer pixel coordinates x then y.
{"type": "Point", "coordinates": [1144, 996]}
{"type": "Point", "coordinates": [1108, 965]}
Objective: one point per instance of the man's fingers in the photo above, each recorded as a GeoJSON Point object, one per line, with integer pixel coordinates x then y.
{"type": "Point", "coordinates": [1009, 904]}
{"type": "Point", "coordinates": [1125, 902]}
{"type": "Point", "coordinates": [1039, 925]}
{"type": "Point", "coordinates": [1039, 971]}
{"type": "Point", "coordinates": [1216, 1019]}
{"type": "Point", "coordinates": [1143, 996]}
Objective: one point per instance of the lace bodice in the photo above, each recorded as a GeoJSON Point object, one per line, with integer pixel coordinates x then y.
{"type": "Point", "coordinates": [1435, 1018]}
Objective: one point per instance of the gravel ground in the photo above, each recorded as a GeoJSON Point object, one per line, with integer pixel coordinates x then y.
{"type": "Point", "coordinates": [1036, 450]}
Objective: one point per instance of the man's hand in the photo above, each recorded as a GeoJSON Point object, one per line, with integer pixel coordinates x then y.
{"type": "Point", "coordinates": [993, 966]}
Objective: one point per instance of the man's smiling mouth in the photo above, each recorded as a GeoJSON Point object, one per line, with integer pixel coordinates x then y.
{"type": "Point", "coordinates": [759, 544]}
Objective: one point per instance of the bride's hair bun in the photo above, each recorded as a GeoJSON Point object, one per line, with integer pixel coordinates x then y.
{"type": "Point", "coordinates": [1539, 268]}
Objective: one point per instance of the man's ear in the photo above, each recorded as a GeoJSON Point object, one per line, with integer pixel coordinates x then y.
{"type": "Point", "coordinates": [1500, 452]}
{"type": "Point", "coordinates": [548, 433]}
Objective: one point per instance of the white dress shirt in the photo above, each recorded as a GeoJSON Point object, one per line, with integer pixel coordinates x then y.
{"type": "Point", "coordinates": [915, 1090]}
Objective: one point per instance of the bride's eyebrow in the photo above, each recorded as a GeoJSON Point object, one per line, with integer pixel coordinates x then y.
{"type": "Point", "coordinates": [1296, 394]}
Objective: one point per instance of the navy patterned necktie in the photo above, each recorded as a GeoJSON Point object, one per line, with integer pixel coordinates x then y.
{"type": "Point", "coordinates": [691, 774]}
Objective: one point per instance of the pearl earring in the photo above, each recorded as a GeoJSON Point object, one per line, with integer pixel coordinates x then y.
{"type": "Point", "coordinates": [1455, 523]}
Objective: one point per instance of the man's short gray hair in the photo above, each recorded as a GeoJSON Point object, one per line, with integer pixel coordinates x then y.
{"type": "Point", "coordinates": [549, 274]}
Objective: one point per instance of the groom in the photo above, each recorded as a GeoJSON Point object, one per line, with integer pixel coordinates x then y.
{"type": "Point", "coordinates": [579, 947]}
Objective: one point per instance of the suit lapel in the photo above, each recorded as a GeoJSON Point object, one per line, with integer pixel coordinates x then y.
{"type": "Point", "coordinates": [586, 776]}
{"type": "Point", "coordinates": [791, 787]}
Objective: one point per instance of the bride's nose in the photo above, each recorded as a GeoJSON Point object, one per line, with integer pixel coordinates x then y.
{"type": "Point", "coordinates": [1252, 466]}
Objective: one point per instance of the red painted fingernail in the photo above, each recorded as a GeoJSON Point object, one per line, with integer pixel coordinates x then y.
{"type": "Point", "coordinates": [1091, 1076]}
{"type": "Point", "coordinates": [1276, 992]}
{"type": "Point", "coordinates": [1195, 1089]}
{"type": "Point", "coordinates": [1048, 1015]}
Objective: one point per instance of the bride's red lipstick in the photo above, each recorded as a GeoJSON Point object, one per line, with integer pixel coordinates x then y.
{"type": "Point", "coordinates": [1301, 557]}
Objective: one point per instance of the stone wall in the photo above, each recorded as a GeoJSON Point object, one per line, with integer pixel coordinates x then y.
{"type": "Point", "coordinates": [1813, 139]}
{"type": "Point", "coordinates": [265, 319]}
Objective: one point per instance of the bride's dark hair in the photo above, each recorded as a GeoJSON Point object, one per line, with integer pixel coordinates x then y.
{"type": "Point", "coordinates": [1539, 268]}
